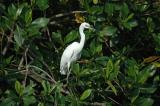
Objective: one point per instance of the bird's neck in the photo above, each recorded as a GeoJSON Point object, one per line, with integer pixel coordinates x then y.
{"type": "Point", "coordinates": [82, 41]}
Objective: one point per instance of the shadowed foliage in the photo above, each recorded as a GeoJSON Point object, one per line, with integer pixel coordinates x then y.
{"type": "Point", "coordinates": [119, 64]}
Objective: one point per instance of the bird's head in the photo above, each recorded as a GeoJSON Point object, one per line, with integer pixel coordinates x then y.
{"type": "Point", "coordinates": [85, 25]}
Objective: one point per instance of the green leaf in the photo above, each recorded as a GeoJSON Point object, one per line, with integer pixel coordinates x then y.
{"type": "Point", "coordinates": [132, 69]}
{"type": "Point", "coordinates": [84, 72]}
{"type": "Point", "coordinates": [108, 69]}
{"type": "Point", "coordinates": [18, 36]}
{"type": "Point", "coordinates": [134, 94]}
{"type": "Point", "coordinates": [28, 100]}
{"type": "Point", "coordinates": [33, 31]}
{"type": "Point", "coordinates": [101, 60]}
{"type": "Point", "coordinates": [76, 69]}
{"type": "Point", "coordinates": [149, 90]}
{"type": "Point", "coordinates": [129, 17]}
{"type": "Point", "coordinates": [144, 102]}
{"type": "Point", "coordinates": [28, 16]}
{"type": "Point", "coordinates": [145, 74]}
{"type": "Point", "coordinates": [112, 87]}
{"type": "Point", "coordinates": [98, 48]}
{"type": "Point", "coordinates": [115, 71]}
{"type": "Point", "coordinates": [95, 10]}
{"type": "Point", "coordinates": [46, 87]}
{"type": "Point", "coordinates": [40, 22]}
{"type": "Point", "coordinates": [8, 102]}
{"type": "Point", "coordinates": [41, 104]}
{"type": "Point", "coordinates": [12, 11]}
{"type": "Point", "coordinates": [157, 40]}
{"type": "Point", "coordinates": [19, 10]}
{"type": "Point", "coordinates": [29, 89]}
{"type": "Point", "coordinates": [150, 24]}
{"type": "Point", "coordinates": [108, 31]}
{"type": "Point", "coordinates": [85, 94]}
{"type": "Point", "coordinates": [124, 10]}
{"type": "Point", "coordinates": [42, 4]}
{"type": "Point", "coordinates": [130, 24]}
{"type": "Point", "coordinates": [71, 36]}
{"type": "Point", "coordinates": [8, 60]}
{"type": "Point", "coordinates": [109, 9]}
{"type": "Point", "coordinates": [19, 88]}
{"type": "Point", "coordinates": [57, 37]}
{"type": "Point", "coordinates": [95, 1]}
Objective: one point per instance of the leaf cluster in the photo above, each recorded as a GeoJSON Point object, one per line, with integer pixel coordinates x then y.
{"type": "Point", "coordinates": [119, 64]}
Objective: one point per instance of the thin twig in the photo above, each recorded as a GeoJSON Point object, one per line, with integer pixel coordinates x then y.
{"type": "Point", "coordinates": [20, 63]}
{"type": "Point", "coordinates": [113, 100]}
{"type": "Point", "coordinates": [9, 41]}
{"type": "Point", "coordinates": [119, 86]}
{"type": "Point", "coordinates": [43, 62]}
{"type": "Point", "coordinates": [33, 72]}
{"type": "Point", "coordinates": [50, 39]}
{"type": "Point", "coordinates": [151, 13]}
{"type": "Point", "coordinates": [83, 61]}
{"type": "Point", "coordinates": [66, 14]}
{"type": "Point", "coordinates": [31, 66]}
{"type": "Point", "coordinates": [26, 63]}
{"type": "Point", "coordinates": [95, 104]}
{"type": "Point", "coordinates": [109, 46]}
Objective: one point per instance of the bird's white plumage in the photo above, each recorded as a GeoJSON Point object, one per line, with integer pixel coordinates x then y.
{"type": "Point", "coordinates": [73, 51]}
{"type": "Point", "coordinates": [70, 54]}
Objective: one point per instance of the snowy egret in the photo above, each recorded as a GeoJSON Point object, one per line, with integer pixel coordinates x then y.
{"type": "Point", "coordinates": [73, 52]}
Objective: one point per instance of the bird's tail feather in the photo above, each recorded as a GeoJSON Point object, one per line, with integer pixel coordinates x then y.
{"type": "Point", "coordinates": [63, 70]}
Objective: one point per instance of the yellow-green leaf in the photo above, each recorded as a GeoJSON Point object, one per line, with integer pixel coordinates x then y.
{"type": "Point", "coordinates": [112, 87]}
{"type": "Point", "coordinates": [151, 59]}
{"type": "Point", "coordinates": [85, 94]}
{"type": "Point", "coordinates": [95, 1]}
{"type": "Point", "coordinates": [19, 88]}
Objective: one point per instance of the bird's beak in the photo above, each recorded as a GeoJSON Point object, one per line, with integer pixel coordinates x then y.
{"type": "Point", "coordinates": [92, 28]}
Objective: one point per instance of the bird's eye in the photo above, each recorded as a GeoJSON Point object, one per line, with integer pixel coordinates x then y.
{"type": "Point", "coordinates": [87, 25]}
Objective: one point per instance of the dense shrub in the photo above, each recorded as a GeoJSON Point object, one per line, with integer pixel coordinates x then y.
{"type": "Point", "coordinates": [119, 64]}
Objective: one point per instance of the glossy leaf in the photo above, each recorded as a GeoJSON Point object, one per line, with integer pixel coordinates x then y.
{"type": "Point", "coordinates": [95, 1]}
{"type": "Point", "coordinates": [71, 36]}
{"type": "Point", "coordinates": [28, 17]}
{"type": "Point", "coordinates": [12, 11]}
{"type": "Point", "coordinates": [109, 8]}
{"type": "Point", "coordinates": [130, 24]}
{"type": "Point", "coordinates": [28, 100]}
{"type": "Point", "coordinates": [112, 87]}
{"type": "Point", "coordinates": [19, 10]}
{"type": "Point", "coordinates": [19, 88]}
{"type": "Point", "coordinates": [150, 24]}
{"type": "Point", "coordinates": [18, 36]}
{"type": "Point", "coordinates": [108, 31]}
{"type": "Point", "coordinates": [109, 69]}
{"type": "Point", "coordinates": [57, 37]}
{"type": "Point", "coordinates": [124, 10]}
{"type": "Point", "coordinates": [40, 22]}
{"type": "Point", "coordinates": [144, 102]}
{"type": "Point", "coordinates": [42, 4]}
{"type": "Point", "coordinates": [85, 94]}
{"type": "Point", "coordinates": [76, 69]}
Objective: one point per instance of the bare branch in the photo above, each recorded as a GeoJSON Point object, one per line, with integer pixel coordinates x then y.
{"type": "Point", "coordinates": [66, 14]}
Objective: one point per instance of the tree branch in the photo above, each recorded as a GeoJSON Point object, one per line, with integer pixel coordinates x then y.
{"type": "Point", "coordinates": [66, 14]}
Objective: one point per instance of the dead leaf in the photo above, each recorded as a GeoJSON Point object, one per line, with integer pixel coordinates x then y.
{"type": "Point", "coordinates": [151, 59]}
{"type": "Point", "coordinates": [79, 18]}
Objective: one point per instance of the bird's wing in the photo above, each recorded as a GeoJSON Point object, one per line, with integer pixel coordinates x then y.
{"type": "Point", "coordinates": [69, 51]}
{"type": "Point", "coordinates": [67, 57]}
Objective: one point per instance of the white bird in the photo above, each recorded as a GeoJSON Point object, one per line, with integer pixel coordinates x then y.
{"type": "Point", "coordinates": [73, 52]}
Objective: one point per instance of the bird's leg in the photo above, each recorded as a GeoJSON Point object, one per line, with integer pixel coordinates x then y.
{"type": "Point", "coordinates": [69, 71]}
{"type": "Point", "coordinates": [68, 75]}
